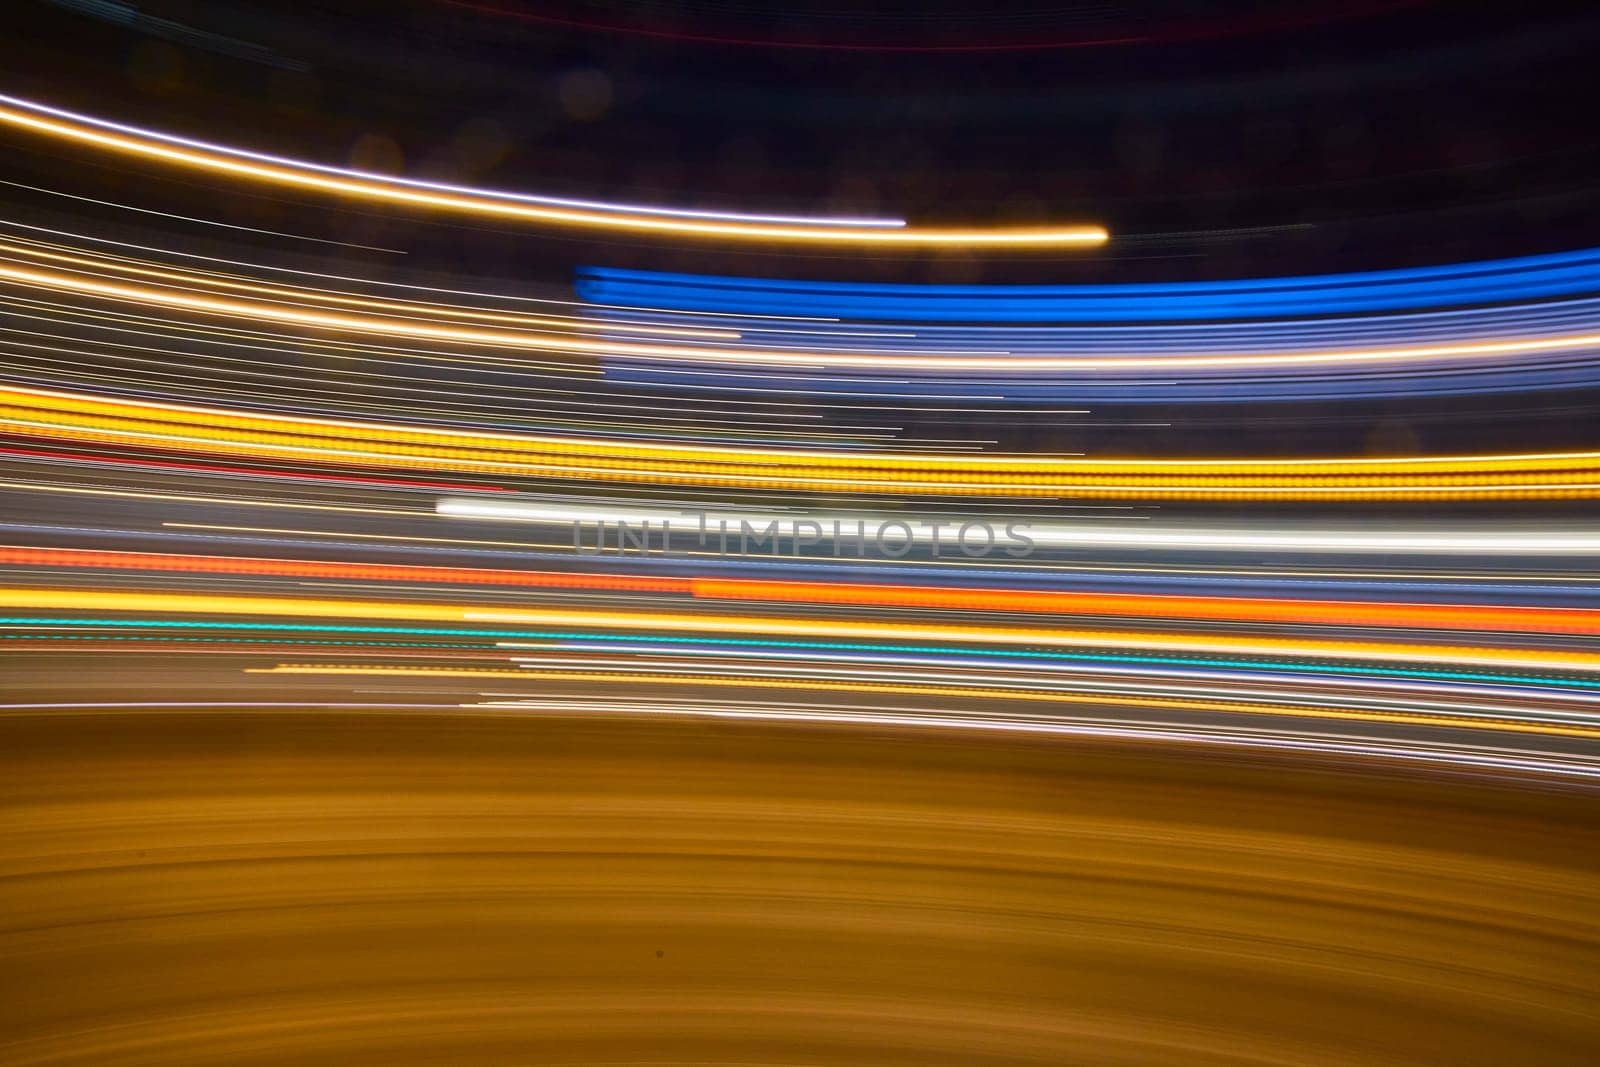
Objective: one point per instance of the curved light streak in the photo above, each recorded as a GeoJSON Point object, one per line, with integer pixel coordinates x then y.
{"type": "Point", "coordinates": [1522, 278]}
{"type": "Point", "coordinates": [756, 356]}
{"type": "Point", "coordinates": [166, 148]}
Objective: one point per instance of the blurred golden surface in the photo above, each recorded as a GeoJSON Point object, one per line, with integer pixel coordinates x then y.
{"type": "Point", "coordinates": [269, 888]}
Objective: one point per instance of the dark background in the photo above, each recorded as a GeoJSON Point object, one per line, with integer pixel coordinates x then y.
{"type": "Point", "coordinates": [1213, 139]}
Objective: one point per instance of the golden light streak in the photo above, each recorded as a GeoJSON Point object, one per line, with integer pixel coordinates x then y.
{"type": "Point", "coordinates": [375, 189]}
{"type": "Point", "coordinates": [77, 416]}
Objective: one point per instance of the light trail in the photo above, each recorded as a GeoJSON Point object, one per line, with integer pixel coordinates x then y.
{"type": "Point", "coordinates": [1016, 676]}
{"type": "Point", "coordinates": [1547, 276]}
{"type": "Point", "coordinates": [1389, 614]}
{"type": "Point", "coordinates": [886, 688]}
{"type": "Point", "coordinates": [293, 607]}
{"type": "Point", "coordinates": [78, 416]}
{"type": "Point", "coordinates": [275, 296]}
{"type": "Point", "coordinates": [191, 296]}
{"type": "Point", "coordinates": [932, 718]}
{"type": "Point", "coordinates": [121, 139]}
{"type": "Point", "coordinates": [944, 530]}
{"type": "Point", "coordinates": [60, 628]}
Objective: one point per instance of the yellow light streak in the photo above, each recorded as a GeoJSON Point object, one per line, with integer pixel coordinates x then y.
{"type": "Point", "coordinates": [140, 423]}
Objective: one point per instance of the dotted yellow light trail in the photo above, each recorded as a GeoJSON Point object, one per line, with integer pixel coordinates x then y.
{"type": "Point", "coordinates": [220, 431]}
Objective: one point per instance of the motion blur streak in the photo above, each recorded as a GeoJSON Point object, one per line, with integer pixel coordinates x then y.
{"type": "Point", "coordinates": [1472, 538]}
{"type": "Point", "coordinates": [256, 167]}
{"type": "Point", "coordinates": [197, 291]}
{"type": "Point", "coordinates": [59, 600]}
{"type": "Point", "coordinates": [1561, 274]}
{"type": "Point", "coordinates": [72, 416]}
{"type": "Point", "coordinates": [1337, 612]}
{"type": "Point", "coordinates": [785, 592]}
{"type": "Point", "coordinates": [928, 690]}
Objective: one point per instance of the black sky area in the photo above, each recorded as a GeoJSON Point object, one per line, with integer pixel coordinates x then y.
{"type": "Point", "coordinates": [1214, 140]}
